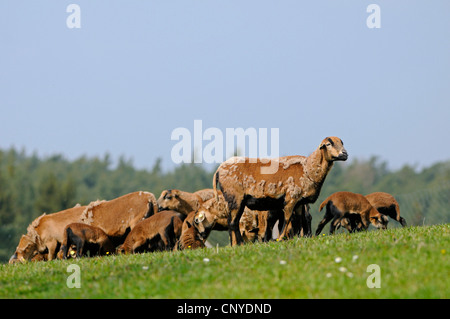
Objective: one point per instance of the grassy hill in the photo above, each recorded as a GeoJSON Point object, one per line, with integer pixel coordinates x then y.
{"type": "Point", "coordinates": [413, 261]}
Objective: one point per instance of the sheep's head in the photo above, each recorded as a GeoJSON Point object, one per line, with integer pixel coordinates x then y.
{"type": "Point", "coordinates": [333, 149]}
{"type": "Point", "coordinates": [204, 222]}
{"type": "Point", "coordinates": [379, 221]}
{"type": "Point", "coordinates": [24, 251]}
{"type": "Point", "coordinates": [169, 200]}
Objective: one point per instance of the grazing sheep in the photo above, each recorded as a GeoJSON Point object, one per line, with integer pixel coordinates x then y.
{"type": "Point", "coordinates": [190, 238]}
{"type": "Point", "coordinates": [86, 238]}
{"type": "Point", "coordinates": [183, 202]}
{"type": "Point", "coordinates": [255, 225]}
{"type": "Point", "coordinates": [297, 181]}
{"type": "Point", "coordinates": [342, 205]}
{"type": "Point", "coordinates": [120, 215]}
{"type": "Point", "coordinates": [387, 205]}
{"type": "Point", "coordinates": [204, 222]}
{"type": "Point", "coordinates": [196, 228]}
{"type": "Point", "coordinates": [158, 232]}
{"type": "Point", "coordinates": [45, 234]}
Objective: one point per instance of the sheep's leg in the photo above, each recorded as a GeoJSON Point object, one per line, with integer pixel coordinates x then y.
{"type": "Point", "coordinates": [306, 219]}
{"type": "Point", "coordinates": [51, 246]}
{"type": "Point", "coordinates": [336, 222]}
{"type": "Point", "coordinates": [288, 209]}
{"type": "Point", "coordinates": [328, 216]}
{"type": "Point", "coordinates": [80, 248]}
{"type": "Point", "coordinates": [235, 234]}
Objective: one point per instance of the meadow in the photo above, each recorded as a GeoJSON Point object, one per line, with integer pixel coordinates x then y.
{"type": "Point", "coordinates": [413, 263]}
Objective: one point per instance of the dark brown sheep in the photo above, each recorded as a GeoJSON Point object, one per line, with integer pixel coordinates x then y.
{"type": "Point", "coordinates": [158, 232]}
{"type": "Point", "coordinates": [86, 239]}
{"type": "Point", "coordinates": [354, 206]}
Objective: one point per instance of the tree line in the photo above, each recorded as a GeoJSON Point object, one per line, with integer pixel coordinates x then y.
{"type": "Point", "coordinates": [31, 185]}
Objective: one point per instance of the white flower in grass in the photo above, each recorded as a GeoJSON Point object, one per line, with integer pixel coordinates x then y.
{"type": "Point", "coordinates": [337, 260]}
{"type": "Point", "coordinates": [342, 269]}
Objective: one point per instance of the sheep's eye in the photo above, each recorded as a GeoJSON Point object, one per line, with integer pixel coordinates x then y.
{"type": "Point", "coordinates": [328, 144]}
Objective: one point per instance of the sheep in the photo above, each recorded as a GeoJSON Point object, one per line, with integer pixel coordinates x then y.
{"type": "Point", "coordinates": [86, 238]}
{"type": "Point", "coordinates": [45, 234]}
{"type": "Point", "coordinates": [117, 217]}
{"type": "Point", "coordinates": [196, 228]}
{"type": "Point", "coordinates": [342, 205]}
{"type": "Point", "coordinates": [190, 237]}
{"type": "Point", "coordinates": [387, 205]}
{"type": "Point", "coordinates": [297, 181]}
{"type": "Point", "coordinates": [183, 202]}
{"type": "Point", "coordinates": [255, 225]}
{"type": "Point", "coordinates": [158, 232]}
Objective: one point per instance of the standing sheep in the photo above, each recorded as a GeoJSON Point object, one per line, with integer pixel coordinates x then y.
{"type": "Point", "coordinates": [355, 208]}
{"type": "Point", "coordinates": [297, 181]}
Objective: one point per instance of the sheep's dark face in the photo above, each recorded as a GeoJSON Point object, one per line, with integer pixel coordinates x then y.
{"type": "Point", "coordinates": [204, 222]}
{"type": "Point", "coordinates": [379, 221]}
{"type": "Point", "coordinates": [334, 150]}
{"type": "Point", "coordinates": [169, 200]}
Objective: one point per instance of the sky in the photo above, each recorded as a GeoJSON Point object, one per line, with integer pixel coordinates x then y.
{"type": "Point", "coordinates": [135, 71]}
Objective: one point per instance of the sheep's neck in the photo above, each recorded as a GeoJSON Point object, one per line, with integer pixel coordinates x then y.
{"type": "Point", "coordinates": [317, 167]}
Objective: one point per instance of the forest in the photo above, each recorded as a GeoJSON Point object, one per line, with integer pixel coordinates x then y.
{"type": "Point", "coordinates": [31, 185]}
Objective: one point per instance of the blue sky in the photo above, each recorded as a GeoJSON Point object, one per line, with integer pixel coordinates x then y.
{"type": "Point", "coordinates": [137, 70]}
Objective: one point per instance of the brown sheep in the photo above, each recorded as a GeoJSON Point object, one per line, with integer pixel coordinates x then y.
{"type": "Point", "coordinates": [297, 181]}
{"type": "Point", "coordinates": [86, 238]}
{"type": "Point", "coordinates": [45, 233]}
{"type": "Point", "coordinates": [191, 237]}
{"type": "Point", "coordinates": [158, 232]}
{"type": "Point", "coordinates": [342, 205]}
{"type": "Point", "coordinates": [255, 225]}
{"type": "Point", "coordinates": [387, 205]}
{"type": "Point", "coordinates": [118, 216]}
{"type": "Point", "coordinates": [183, 202]}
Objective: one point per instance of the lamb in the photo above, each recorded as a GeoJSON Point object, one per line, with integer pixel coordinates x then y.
{"type": "Point", "coordinates": [195, 230]}
{"type": "Point", "coordinates": [386, 205]}
{"type": "Point", "coordinates": [45, 234]}
{"type": "Point", "coordinates": [297, 182]}
{"type": "Point", "coordinates": [158, 232]}
{"type": "Point", "coordinates": [183, 202]}
{"type": "Point", "coordinates": [117, 217]}
{"type": "Point", "coordinates": [190, 237]}
{"type": "Point", "coordinates": [353, 207]}
{"type": "Point", "coordinates": [86, 238]}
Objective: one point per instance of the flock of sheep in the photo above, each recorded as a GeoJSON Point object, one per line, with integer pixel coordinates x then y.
{"type": "Point", "coordinates": [248, 205]}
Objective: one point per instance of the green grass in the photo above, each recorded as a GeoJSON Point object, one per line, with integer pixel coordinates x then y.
{"type": "Point", "coordinates": [414, 263]}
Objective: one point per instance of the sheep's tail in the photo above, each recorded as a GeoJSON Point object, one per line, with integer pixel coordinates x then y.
{"type": "Point", "coordinates": [215, 182]}
{"type": "Point", "coordinates": [323, 204]}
